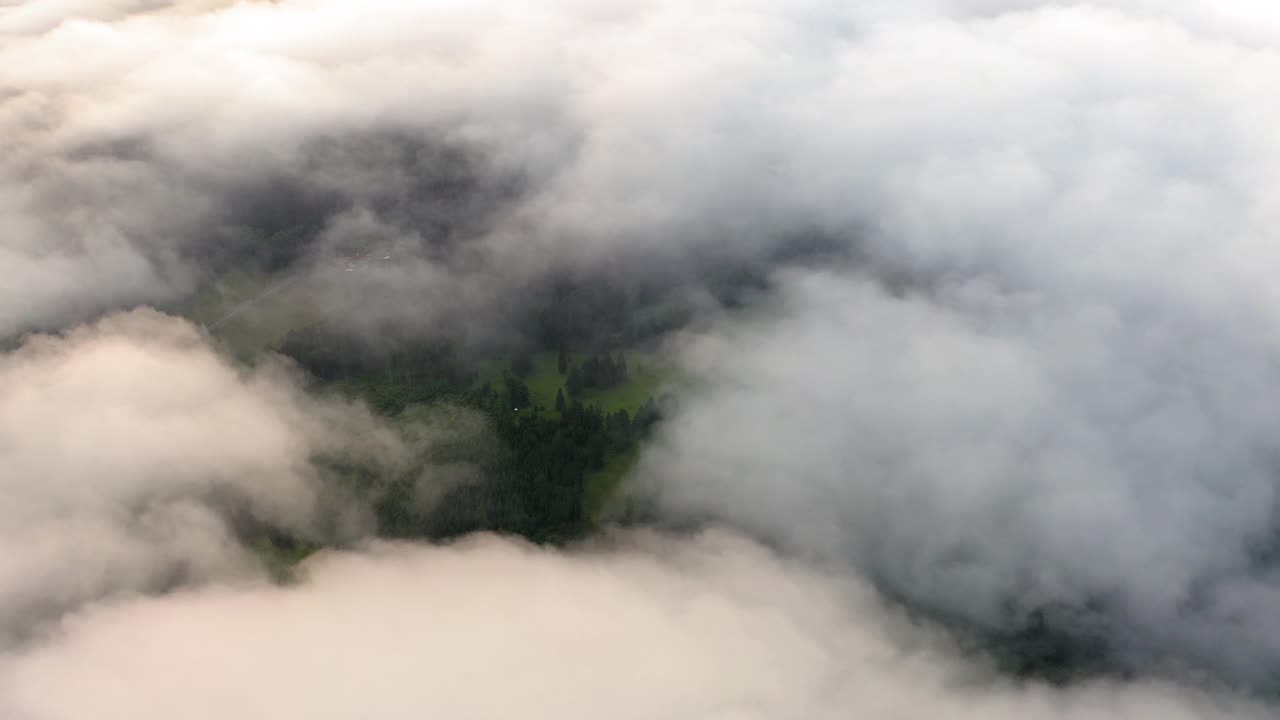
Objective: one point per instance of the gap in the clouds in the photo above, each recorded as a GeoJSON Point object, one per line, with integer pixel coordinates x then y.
{"type": "Point", "coordinates": [555, 385]}
{"type": "Point", "coordinates": [367, 265]}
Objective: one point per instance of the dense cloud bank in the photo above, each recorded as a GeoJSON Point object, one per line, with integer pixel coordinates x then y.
{"type": "Point", "coordinates": [706, 627]}
{"type": "Point", "coordinates": [1037, 373]}
{"type": "Point", "coordinates": [985, 461]}
{"type": "Point", "coordinates": [152, 144]}
{"type": "Point", "coordinates": [135, 458]}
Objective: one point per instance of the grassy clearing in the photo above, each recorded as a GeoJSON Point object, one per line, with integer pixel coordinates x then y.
{"type": "Point", "coordinates": [628, 396]}
{"type": "Point", "coordinates": [544, 380]}
{"type": "Point", "coordinates": [218, 299]}
{"type": "Point", "coordinates": [492, 373]}
{"type": "Point", "coordinates": [647, 377]}
{"type": "Point", "coordinates": [255, 328]}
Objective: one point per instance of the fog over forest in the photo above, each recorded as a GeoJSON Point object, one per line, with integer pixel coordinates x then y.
{"type": "Point", "coordinates": [641, 358]}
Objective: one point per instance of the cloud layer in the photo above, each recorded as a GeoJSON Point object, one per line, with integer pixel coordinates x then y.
{"type": "Point", "coordinates": [706, 627]}
{"type": "Point", "coordinates": [1036, 374]}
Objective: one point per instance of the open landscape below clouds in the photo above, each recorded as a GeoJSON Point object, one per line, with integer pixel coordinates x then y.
{"type": "Point", "coordinates": [641, 357]}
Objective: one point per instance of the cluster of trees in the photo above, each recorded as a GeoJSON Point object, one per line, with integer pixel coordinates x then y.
{"type": "Point", "coordinates": [534, 466]}
{"type": "Point", "coordinates": [535, 484]}
{"type": "Point", "coordinates": [332, 355]}
{"type": "Point", "coordinates": [547, 458]}
{"type": "Point", "coordinates": [597, 372]}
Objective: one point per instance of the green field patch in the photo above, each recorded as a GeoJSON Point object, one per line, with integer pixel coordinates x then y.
{"type": "Point", "coordinates": [492, 373]}
{"type": "Point", "coordinates": [628, 396]}
{"type": "Point", "coordinates": [647, 378]}
{"type": "Point", "coordinates": [250, 309]}
{"type": "Point", "coordinates": [218, 299]}
{"type": "Point", "coordinates": [544, 379]}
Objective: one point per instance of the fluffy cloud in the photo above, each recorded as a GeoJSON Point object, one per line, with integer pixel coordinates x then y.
{"type": "Point", "coordinates": [130, 449]}
{"type": "Point", "coordinates": [704, 627]}
{"type": "Point", "coordinates": [988, 459]}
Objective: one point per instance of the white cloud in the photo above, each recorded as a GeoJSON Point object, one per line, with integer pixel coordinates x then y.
{"type": "Point", "coordinates": [709, 627]}
{"type": "Point", "coordinates": [128, 446]}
